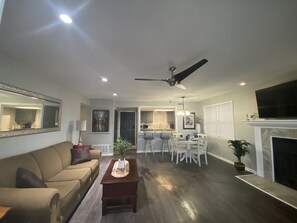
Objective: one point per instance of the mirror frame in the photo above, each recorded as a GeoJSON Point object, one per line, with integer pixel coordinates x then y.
{"type": "Point", "coordinates": [21, 132]}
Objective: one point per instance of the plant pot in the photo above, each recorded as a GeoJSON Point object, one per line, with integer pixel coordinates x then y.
{"type": "Point", "coordinates": [239, 166]}
{"type": "Point", "coordinates": [121, 164]}
{"type": "Point", "coordinates": [198, 128]}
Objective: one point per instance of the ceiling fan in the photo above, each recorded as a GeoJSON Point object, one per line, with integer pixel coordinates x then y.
{"type": "Point", "coordinates": [175, 80]}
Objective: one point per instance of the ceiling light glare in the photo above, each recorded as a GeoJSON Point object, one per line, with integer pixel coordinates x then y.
{"type": "Point", "coordinates": [114, 94]}
{"type": "Point", "coordinates": [104, 79]}
{"type": "Point", "coordinates": [65, 18]}
{"type": "Point", "coordinates": [242, 84]}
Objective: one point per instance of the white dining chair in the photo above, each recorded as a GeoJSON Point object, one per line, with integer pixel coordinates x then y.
{"type": "Point", "coordinates": [178, 150]}
{"type": "Point", "coordinates": [199, 150]}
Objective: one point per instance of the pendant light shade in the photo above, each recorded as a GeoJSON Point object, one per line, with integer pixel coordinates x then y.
{"type": "Point", "coordinates": [183, 112]}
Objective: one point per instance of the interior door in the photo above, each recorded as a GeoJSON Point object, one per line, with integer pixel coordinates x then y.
{"type": "Point", "coordinates": [127, 126]}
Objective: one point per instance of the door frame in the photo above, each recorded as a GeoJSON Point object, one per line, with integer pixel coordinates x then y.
{"type": "Point", "coordinates": [118, 127]}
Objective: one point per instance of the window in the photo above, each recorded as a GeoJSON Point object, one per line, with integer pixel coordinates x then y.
{"type": "Point", "coordinates": [218, 120]}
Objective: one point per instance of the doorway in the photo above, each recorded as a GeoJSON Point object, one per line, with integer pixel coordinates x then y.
{"type": "Point", "coordinates": [127, 126]}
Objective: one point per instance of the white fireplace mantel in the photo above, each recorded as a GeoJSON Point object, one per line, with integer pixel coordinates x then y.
{"type": "Point", "coordinates": [264, 123]}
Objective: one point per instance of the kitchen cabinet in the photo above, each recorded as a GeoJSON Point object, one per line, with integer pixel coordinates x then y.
{"type": "Point", "coordinates": [146, 116]}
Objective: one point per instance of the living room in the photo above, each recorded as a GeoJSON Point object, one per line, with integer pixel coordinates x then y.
{"type": "Point", "coordinates": [278, 66]}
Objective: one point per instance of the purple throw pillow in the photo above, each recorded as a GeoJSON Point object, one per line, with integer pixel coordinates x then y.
{"type": "Point", "coordinates": [27, 179]}
{"type": "Point", "coordinates": [80, 156]}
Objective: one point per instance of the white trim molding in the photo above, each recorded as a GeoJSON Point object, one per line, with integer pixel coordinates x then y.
{"type": "Point", "coordinates": [266, 123]}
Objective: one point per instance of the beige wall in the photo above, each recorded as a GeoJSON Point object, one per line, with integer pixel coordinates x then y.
{"type": "Point", "coordinates": [17, 74]}
{"type": "Point", "coordinates": [244, 101]}
{"type": "Point", "coordinates": [90, 138]}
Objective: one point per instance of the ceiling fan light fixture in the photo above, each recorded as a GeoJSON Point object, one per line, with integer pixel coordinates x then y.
{"type": "Point", "coordinates": [180, 86]}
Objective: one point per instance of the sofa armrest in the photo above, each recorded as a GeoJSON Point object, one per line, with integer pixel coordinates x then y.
{"type": "Point", "coordinates": [32, 204]}
{"type": "Point", "coordinates": [95, 154]}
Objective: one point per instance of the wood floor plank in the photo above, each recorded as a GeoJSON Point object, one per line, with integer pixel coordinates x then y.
{"type": "Point", "coordinates": [186, 193]}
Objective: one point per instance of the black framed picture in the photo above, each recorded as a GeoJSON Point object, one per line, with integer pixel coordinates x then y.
{"type": "Point", "coordinates": [189, 121]}
{"type": "Point", "coordinates": [100, 120]}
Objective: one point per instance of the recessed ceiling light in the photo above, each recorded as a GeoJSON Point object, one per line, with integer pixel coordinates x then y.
{"type": "Point", "coordinates": [114, 94]}
{"type": "Point", "coordinates": [242, 84]}
{"type": "Point", "coordinates": [66, 18]}
{"type": "Point", "coordinates": [104, 79]}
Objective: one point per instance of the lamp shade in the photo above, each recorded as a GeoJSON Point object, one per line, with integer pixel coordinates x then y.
{"type": "Point", "coordinates": [81, 125]}
{"type": "Point", "coordinates": [1, 8]}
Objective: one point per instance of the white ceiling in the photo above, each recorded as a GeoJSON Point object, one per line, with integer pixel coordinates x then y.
{"type": "Point", "coordinates": [253, 41]}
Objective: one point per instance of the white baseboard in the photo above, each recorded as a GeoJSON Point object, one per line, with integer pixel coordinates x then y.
{"type": "Point", "coordinates": [106, 154]}
{"type": "Point", "coordinates": [231, 162]}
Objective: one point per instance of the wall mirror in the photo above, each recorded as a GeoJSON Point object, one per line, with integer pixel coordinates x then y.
{"type": "Point", "coordinates": [24, 112]}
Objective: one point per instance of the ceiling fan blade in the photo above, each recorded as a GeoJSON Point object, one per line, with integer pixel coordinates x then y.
{"type": "Point", "coordinates": [179, 85]}
{"type": "Point", "coordinates": [182, 75]}
{"type": "Point", "coordinates": [147, 79]}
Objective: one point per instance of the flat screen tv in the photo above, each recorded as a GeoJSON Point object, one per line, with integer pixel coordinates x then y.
{"type": "Point", "coordinates": [278, 102]}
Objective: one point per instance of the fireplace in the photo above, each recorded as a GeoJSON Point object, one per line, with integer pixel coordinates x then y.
{"type": "Point", "coordinates": [285, 161]}
{"type": "Point", "coordinates": [264, 131]}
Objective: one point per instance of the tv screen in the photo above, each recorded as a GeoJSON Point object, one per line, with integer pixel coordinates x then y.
{"type": "Point", "coordinates": [279, 102]}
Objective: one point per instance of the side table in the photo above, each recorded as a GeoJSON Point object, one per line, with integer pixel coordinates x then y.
{"type": "Point", "coordinates": [3, 213]}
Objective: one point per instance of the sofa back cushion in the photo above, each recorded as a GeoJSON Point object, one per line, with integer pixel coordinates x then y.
{"type": "Point", "coordinates": [49, 162]}
{"type": "Point", "coordinates": [63, 149]}
{"type": "Point", "coordinates": [9, 166]}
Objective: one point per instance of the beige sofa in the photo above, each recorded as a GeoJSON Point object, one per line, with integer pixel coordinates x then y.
{"type": "Point", "coordinates": [67, 184]}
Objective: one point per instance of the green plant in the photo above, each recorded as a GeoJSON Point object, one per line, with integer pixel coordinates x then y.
{"type": "Point", "coordinates": [239, 147]}
{"type": "Point", "coordinates": [121, 146]}
{"type": "Point", "coordinates": [198, 120]}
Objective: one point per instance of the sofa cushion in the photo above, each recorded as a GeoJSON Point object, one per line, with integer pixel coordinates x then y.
{"type": "Point", "coordinates": [80, 156]}
{"type": "Point", "coordinates": [27, 179]}
{"type": "Point", "coordinates": [83, 175]}
{"type": "Point", "coordinates": [93, 165]}
{"type": "Point", "coordinates": [63, 150]}
{"type": "Point", "coordinates": [9, 166]}
{"type": "Point", "coordinates": [48, 161]}
{"type": "Point", "coordinates": [68, 190]}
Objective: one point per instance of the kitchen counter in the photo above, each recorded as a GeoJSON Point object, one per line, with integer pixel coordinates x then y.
{"type": "Point", "coordinates": [156, 130]}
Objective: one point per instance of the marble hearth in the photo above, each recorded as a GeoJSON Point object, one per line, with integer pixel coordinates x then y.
{"type": "Point", "coordinates": [264, 130]}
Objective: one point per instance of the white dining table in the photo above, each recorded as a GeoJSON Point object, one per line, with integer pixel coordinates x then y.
{"type": "Point", "coordinates": [189, 143]}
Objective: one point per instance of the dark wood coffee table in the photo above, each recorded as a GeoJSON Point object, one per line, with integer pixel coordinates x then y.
{"type": "Point", "coordinates": [120, 194]}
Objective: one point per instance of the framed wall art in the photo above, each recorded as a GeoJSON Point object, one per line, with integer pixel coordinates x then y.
{"type": "Point", "coordinates": [100, 121]}
{"type": "Point", "coordinates": [189, 121]}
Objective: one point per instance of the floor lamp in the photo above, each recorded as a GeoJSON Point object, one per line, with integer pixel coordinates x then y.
{"type": "Point", "coordinates": [81, 125]}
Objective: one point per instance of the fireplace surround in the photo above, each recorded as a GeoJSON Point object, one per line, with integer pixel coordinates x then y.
{"type": "Point", "coordinates": [264, 131]}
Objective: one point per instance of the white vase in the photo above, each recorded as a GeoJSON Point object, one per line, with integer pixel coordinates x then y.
{"type": "Point", "coordinates": [198, 128]}
{"type": "Point", "coordinates": [121, 163]}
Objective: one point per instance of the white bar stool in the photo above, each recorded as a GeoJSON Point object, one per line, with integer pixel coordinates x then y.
{"type": "Point", "coordinates": [165, 136]}
{"type": "Point", "coordinates": [149, 138]}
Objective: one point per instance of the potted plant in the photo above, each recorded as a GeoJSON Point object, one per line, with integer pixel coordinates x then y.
{"type": "Point", "coordinates": [121, 146]}
{"type": "Point", "coordinates": [240, 148]}
{"type": "Point", "coordinates": [198, 122]}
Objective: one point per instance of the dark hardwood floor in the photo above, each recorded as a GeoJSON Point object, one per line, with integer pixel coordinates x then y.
{"type": "Point", "coordinates": [186, 193]}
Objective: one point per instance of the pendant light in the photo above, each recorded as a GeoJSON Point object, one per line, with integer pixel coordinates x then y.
{"type": "Point", "coordinates": [183, 112]}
